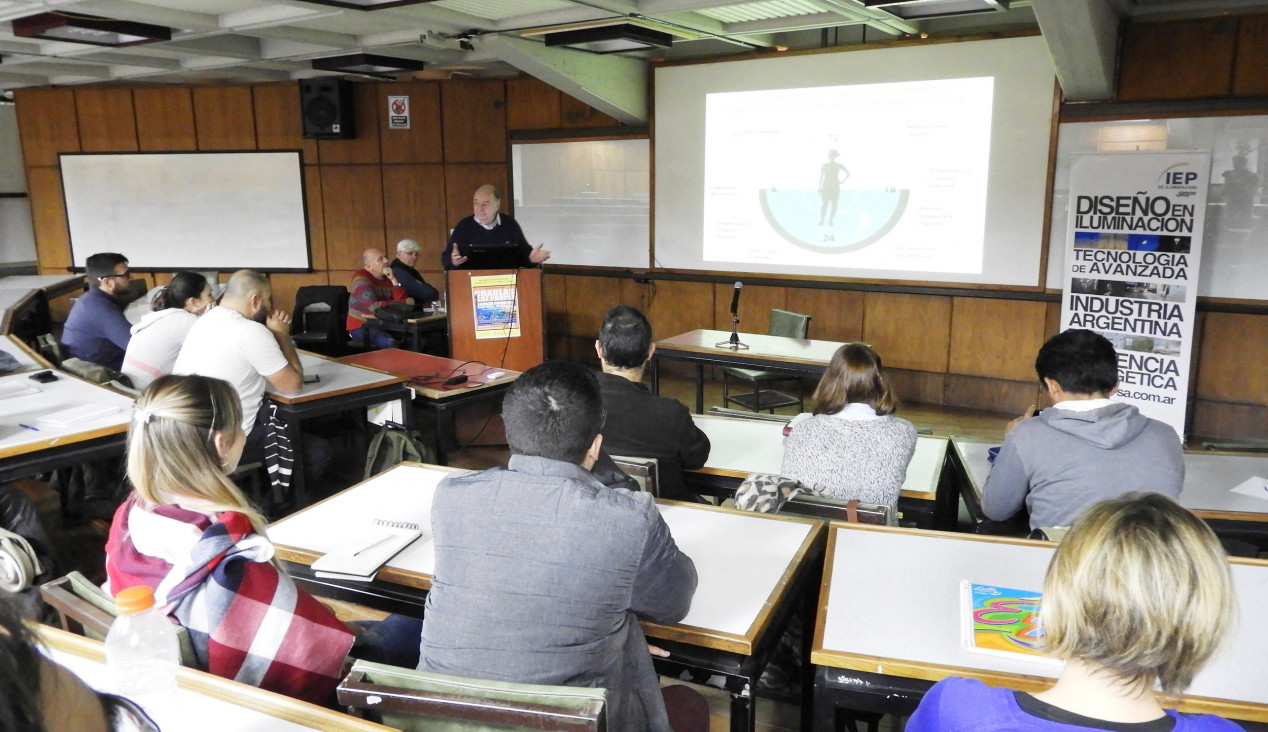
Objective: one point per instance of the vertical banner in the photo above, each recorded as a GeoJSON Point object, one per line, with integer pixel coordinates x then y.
{"type": "Point", "coordinates": [1132, 254]}
{"type": "Point", "coordinates": [495, 303]}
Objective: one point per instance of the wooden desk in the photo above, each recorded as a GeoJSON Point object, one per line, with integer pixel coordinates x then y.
{"type": "Point", "coordinates": [28, 452]}
{"type": "Point", "coordinates": [203, 701]}
{"type": "Point", "coordinates": [426, 375]}
{"type": "Point", "coordinates": [752, 568]}
{"type": "Point", "coordinates": [414, 329]}
{"type": "Point", "coordinates": [343, 387]}
{"type": "Point", "coordinates": [799, 355]}
{"type": "Point", "coordinates": [889, 623]}
{"type": "Point", "coordinates": [742, 446]}
{"type": "Point", "coordinates": [29, 360]}
{"type": "Point", "coordinates": [1208, 478]}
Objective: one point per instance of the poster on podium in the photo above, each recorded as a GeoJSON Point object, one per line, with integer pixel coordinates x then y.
{"type": "Point", "coordinates": [1133, 248]}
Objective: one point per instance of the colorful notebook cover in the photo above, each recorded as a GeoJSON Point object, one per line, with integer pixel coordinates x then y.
{"type": "Point", "coordinates": [1001, 621]}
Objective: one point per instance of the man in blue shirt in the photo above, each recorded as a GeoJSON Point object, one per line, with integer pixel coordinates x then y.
{"type": "Point", "coordinates": [96, 330]}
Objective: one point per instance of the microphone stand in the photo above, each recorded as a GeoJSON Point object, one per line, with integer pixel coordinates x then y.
{"type": "Point", "coordinates": [733, 343]}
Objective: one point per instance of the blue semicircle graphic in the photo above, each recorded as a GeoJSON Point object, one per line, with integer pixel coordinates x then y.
{"type": "Point", "coordinates": [862, 217]}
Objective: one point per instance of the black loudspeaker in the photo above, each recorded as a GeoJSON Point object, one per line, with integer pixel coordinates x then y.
{"type": "Point", "coordinates": [325, 105]}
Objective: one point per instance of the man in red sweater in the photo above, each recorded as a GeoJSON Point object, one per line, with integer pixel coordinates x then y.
{"type": "Point", "coordinates": [373, 286]}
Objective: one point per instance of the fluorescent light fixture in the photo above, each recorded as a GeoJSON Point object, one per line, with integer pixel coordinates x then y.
{"type": "Point", "coordinates": [611, 38]}
{"type": "Point", "coordinates": [919, 9]}
{"type": "Point", "coordinates": [368, 4]}
{"type": "Point", "coordinates": [368, 64]}
{"type": "Point", "coordinates": [93, 30]}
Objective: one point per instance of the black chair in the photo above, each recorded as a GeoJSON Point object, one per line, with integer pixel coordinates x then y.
{"type": "Point", "coordinates": [319, 320]}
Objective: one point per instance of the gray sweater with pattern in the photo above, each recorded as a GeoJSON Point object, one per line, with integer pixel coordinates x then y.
{"type": "Point", "coordinates": [847, 458]}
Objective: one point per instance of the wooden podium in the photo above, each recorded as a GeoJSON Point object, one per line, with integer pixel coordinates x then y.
{"type": "Point", "coordinates": [506, 329]}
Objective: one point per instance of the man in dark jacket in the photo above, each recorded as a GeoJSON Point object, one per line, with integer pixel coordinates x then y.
{"type": "Point", "coordinates": [640, 423]}
{"type": "Point", "coordinates": [542, 572]}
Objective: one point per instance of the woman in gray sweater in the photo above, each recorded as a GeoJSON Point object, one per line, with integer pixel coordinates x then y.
{"type": "Point", "coordinates": [851, 446]}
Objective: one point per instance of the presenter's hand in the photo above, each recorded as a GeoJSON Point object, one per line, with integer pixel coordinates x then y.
{"type": "Point", "coordinates": [538, 255]}
{"type": "Point", "coordinates": [456, 257]}
{"type": "Point", "coordinates": [279, 322]}
{"type": "Point", "coordinates": [1030, 412]}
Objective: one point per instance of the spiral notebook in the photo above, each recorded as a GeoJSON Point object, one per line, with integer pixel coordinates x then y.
{"type": "Point", "coordinates": [363, 555]}
{"type": "Point", "coordinates": [1001, 621]}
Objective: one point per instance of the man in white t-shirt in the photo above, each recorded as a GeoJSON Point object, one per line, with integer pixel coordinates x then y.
{"type": "Point", "coordinates": [248, 344]}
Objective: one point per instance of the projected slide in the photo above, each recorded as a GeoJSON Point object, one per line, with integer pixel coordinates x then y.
{"type": "Point", "coordinates": [871, 176]}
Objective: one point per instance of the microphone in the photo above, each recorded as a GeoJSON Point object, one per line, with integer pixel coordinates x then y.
{"type": "Point", "coordinates": [735, 299]}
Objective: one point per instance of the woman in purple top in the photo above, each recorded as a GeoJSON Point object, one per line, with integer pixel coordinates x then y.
{"type": "Point", "coordinates": [1138, 596]}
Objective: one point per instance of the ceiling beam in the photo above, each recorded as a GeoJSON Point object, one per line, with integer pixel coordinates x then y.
{"type": "Point", "coordinates": [612, 84]}
{"type": "Point", "coordinates": [1082, 36]}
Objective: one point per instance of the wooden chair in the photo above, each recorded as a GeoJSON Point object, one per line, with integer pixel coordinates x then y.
{"type": "Point", "coordinates": [644, 471]}
{"type": "Point", "coordinates": [782, 323]}
{"type": "Point", "coordinates": [417, 700]}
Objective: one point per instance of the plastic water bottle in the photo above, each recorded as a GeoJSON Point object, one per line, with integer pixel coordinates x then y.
{"type": "Point", "coordinates": [142, 652]}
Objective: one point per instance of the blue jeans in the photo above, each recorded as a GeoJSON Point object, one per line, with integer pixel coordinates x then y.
{"type": "Point", "coordinates": [378, 339]}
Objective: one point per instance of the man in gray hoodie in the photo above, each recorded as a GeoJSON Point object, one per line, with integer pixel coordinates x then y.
{"type": "Point", "coordinates": [1083, 449]}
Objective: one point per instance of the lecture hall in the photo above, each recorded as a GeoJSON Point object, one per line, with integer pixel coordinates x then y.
{"type": "Point", "coordinates": [691, 364]}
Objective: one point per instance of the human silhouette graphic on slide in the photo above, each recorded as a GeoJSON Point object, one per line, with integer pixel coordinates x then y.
{"type": "Point", "coordinates": [831, 175]}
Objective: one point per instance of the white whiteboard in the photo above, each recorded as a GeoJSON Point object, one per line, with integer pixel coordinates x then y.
{"type": "Point", "coordinates": [588, 202]}
{"type": "Point", "coordinates": [172, 211]}
{"type": "Point", "coordinates": [1235, 240]}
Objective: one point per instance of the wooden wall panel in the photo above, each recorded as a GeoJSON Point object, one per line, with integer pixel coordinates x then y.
{"type": "Point", "coordinates": [414, 208]}
{"type": "Point", "coordinates": [908, 331]}
{"type": "Point", "coordinates": [996, 338]}
{"type": "Point", "coordinates": [421, 143]}
{"type": "Point", "coordinates": [461, 181]}
{"type": "Point", "coordinates": [107, 122]}
{"type": "Point", "coordinates": [475, 121]}
{"type": "Point", "coordinates": [1232, 354]}
{"type": "Point", "coordinates": [48, 219]}
{"type": "Point", "coordinates": [47, 124]}
{"type": "Point", "coordinates": [286, 284]}
{"type": "Point", "coordinates": [1222, 420]}
{"type": "Point", "coordinates": [755, 307]}
{"type": "Point", "coordinates": [1250, 68]}
{"type": "Point", "coordinates": [224, 118]}
{"type": "Point", "coordinates": [352, 196]}
{"type": "Point", "coordinates": [576, 113]}
{"type": "Point", "coordinates": [836, 315]}
{"type": "Point", "coordinates": [278, 125]}
{"type": "Point", "coordinates": [678, 307]}
{"type": "Point", "coordinates": [164, 118]}
{"type": "Point", "coordinates": [316, 216]}
{"type": "Point", "coordinates": [993, 395]}
{"type": "Point", "coordinates": [365, 148]}
{"type": "Point", "coordinates": [532, 105]}
{"type": "Point", "coordinates": [1184, 60]}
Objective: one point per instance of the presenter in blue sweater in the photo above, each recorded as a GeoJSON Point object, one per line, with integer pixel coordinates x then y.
{"type": "Point", "coordinates": [488, 239]}
{"type": "Point", "coordinates": [1138, 597]}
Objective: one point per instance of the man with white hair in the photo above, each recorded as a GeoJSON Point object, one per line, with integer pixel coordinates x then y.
{"type": "Point", "coordinates": [403, 267]}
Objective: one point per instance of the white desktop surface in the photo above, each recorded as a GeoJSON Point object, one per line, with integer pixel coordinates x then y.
{"type": "Point", "coordinates": [901, 604]}
{"type": "Point", "coordinates": [741, 558]}
{"type": "Point", "coordinates": [10, 345]}
{"type": "Point", "coordinates": [757, 446]}
{"type": "Point", "coordinates": [190, 710]}
{"type": "Point", "coordinates": [64, 393]}
{"type": "Point", "coordinates": [335, 378]}
{"type": "Point", "coordinates": [1208, 478]}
